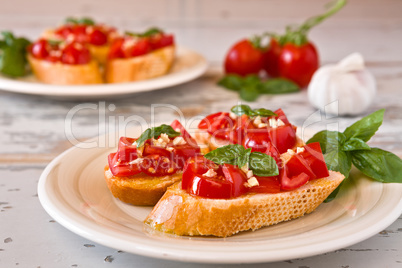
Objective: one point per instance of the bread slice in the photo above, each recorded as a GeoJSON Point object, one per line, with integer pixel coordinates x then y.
{"type": "Point", "coordinates": [180, 213]}
{"type": "Point", "coordinates": [141, 189]}
{"type": "Point", "coordinates": [151, 65]}
{"type": "Point", "coordinates": [65, 74]}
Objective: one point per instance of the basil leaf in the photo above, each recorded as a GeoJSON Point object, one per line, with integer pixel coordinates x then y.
{"type": "Point", "coordinates": [156, 132]}
{"type": "Point", "coordinates": [329, 140]}
{"type": "Point", "coordinates": [278, 86]}
{"type": "Point", "coordinates": [230, 154]}
{"type": "Point", "coordinates": [338, 160]}
{"type": "Point", "coordinates": [70, 20]}
{"type": "Point", "coordinates": [244, 159]}
{"type": "Point", "coordinates": [354, 144]}
{"type": "Point", "coordinates": [333, 194]}
{"type": "Point", "coordinates": [151, 31]}
{"type": "Point", "coordinates": [241, 109]}
{"type": "Point", "coordinates": [249, 93]}
{"type": "Point", "coordinates": [366, 127]}
{"type": "Point", "coordinates": [232, 82]}
{"type": "Point", "coordinates": [378, 164]}
{"type": "Point", "coordinates": [263, 165]}
{"type": "Point", "coordinates": [13, 60]}
{"type": "Point", "coordinates": [86, 21]}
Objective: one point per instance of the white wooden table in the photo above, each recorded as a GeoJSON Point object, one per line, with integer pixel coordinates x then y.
{"type": "Point", "coordinates": [32, 128]}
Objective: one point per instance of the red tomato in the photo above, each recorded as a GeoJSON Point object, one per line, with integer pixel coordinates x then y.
{"type": "Point", "coordinates": [266, 185]}
{"type": "Point", "coordinates": [315, 159]}
{"type": "Point", "coordinates": [184, 152]}
{"type": "Point", "coordinates": [242, 126]}
{"type": "Point", "coordinates": [64, 31]}
{"type": "Point", "coordinates": [155, 165]}
{"type": "Point", "coordinates": [97, 37]}
{"type": "Point", "coordinates": [141, 47]}
{"type": "Point", "coordinates": [297, 164]}
{"type": "Point", "coordinates": [122, 169]}
{"type": "Point", "coordinates": [161, 41]}
{"type": "Point", "coordinates": [127, 152]}
{"type": "Point", "coordinates": [219, 125]}
{"type": "Point", "coordinates": [115, 50]}
{"type": "Point", "coordinates": [176, 125]}
{"type": "Point", "coordinates": [243, 59]}
{"type": "Point", "coordinates": [271, 58]}
{"type": "Point", "coordinates": [291, 183]}
{"type": "Point", "coordinates": [210, 187]}
{"type": "Point", "coordinates": [236, 177]}
{"type": "Point", "coordinates": [282, 116]}
{"type": "Point", "coordinates": [40, 49]}
{"type": "Point", "coordinates": [75, 53]}
{"type": "Point", "coordinates": [298, 63]}
{"type": "Point", "coordinates": [283, 137]}
{"type": "Point", "coordinates": [150, 149]}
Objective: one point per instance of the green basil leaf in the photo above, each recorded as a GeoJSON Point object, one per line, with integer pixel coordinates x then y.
{"type": "Point", "coordinates": [233, 154]}
{"type": "Point", "coordinates": [263, 165]}
{"type": "Point", "coordinates": [232, 82]}
{"type": "Point", "coordinates": [338, 160]}
{"type": "Point", "coordinates": [366, 127]}
{"type": "Point", "coordinates": [71, 20]}
{"type": "Point", "coordinates": [8, 38]}
{"type": "Point", "coordinates": [249, 93]}
{"type": "Point", "coordinates": [86, 21]}
{"type": "Point", "coordinates": [244, 159]}
{"type": "Point", "coordinates": [329, 140]}
{"type": "Point", "coordinates": [151, 31]}
{"type": "Point", "coordinates": [378, 164]}
{"type": "Point", "coordinates": [262, 112]}
{"type": "Point", "coordinates": [156, 132]}
{"type": "Point", "coordinates": [241, 109]}
{"type": "Point", "coordinates": [354, 144]}
{"type": "Point", "coordinates": [278, 86]}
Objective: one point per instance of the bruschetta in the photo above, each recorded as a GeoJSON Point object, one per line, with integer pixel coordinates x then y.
{"type": "Point", "coordinates": [142, 169]}
{"type": "Point", "coordinates": [135, 57]}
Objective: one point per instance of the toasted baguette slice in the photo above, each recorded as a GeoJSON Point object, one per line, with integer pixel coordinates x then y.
{"type": "Point", "coordinates": [179, 213]}
{"type": "Point", "coordinates": [141, 189]}
{"type": "Point", "coordinates": [65, 74]}
{"type": "Point", "coordinates": [151, 65]}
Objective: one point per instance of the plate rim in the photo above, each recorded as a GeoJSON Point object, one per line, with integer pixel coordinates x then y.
{"type": "Point", "coordinates": [161, 252]}
{"type": "Point", "coordinates": [167, 80]}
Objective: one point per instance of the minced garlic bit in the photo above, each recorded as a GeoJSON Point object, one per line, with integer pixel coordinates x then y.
{"type": "Point", "coordinates": [273, 123]}
{"type": "Point", "coordinates": [134, 144]}
{"type": "Point", "coordinates": [233, 115]}
{"type": "Point", "coordinates": [249, 174]}
{"type": "Point", "coordinates": [129, 43]}
{"type": "Point", "coordinates": [159, 143]}
{"type": "Point", "coordinates": [300, 150]}
{"type": "Point", "coordinates": [280, 122]}
{"type": "Point", "coordinates": [257, 121]}
{"type": "Point", "coordinates": [179, 141]}
{"type": "Point", "coordinates": [136, 161]}
{"type": "Point", "coordinates": [210, 173]}
{"type": "Point", "coordinates": [262, 125]}
{"type": "Point", "coordinates": [140, 150]}
{"type": "Point", "coordinates": [291, 152]}
{"type": "Point", "coordinates": [165, 137]}
{"type": "Point", "coordinates": [251, 182]}
{"type": "Point", "coordinates": [170, 170]}
{"type": "Point", "coordinates": [170, 149]}
{"type": "Point", "coordinates": [244, 168]}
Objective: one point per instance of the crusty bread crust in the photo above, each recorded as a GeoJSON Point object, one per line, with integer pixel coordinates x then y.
{"type": "Point", "coordinates": [151, 65]}
{"type": "Point", "coordinates": [180, 213]}
{"type": "Point", "coordinates": [141, 189]}
{"type": "Point", "coordinates": [65, 74]}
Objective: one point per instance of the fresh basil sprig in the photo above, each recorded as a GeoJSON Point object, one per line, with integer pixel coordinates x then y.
{"type": "Point", "coordinates": [261, 164]}
{"type": "Point", "coordinates": [13, 61]}
{"type": "Point", "coordinates": [251, 86]}
{"type": "Point", "coordinates": [147, 33]}
{"type": "Point", "coordinates": [83, 20]}
{"type": "Point", "coordinates": [241, 109]}
{"type": "Point", "coordinates": [156, 132]}
{"type": "Point", "coordinates": [342, 149]}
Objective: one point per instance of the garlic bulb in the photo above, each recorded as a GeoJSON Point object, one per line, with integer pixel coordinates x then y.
{"type": "Point", "coordinates": [346, 88]}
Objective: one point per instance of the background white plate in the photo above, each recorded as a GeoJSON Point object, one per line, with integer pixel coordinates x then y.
{"type": "Point", "coordinates": [188, 65]}
{"type": "Point", "coordinates": [73, 191]}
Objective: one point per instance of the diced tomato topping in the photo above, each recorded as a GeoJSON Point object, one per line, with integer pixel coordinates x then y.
{"type": "Point", "coordinates": [297, 165]}
{"type": "Point", "coordinates": [93, 34]}
{"type": "Point", "coordinates": [283, 137]}
{"type": "Point", "coordinates": [97, 37]}
{"type": "Point", "coordinates": [127, 152]}
{"type": "Point", "coordinates": [288, 182]}
{"type": "Point", "coordinates": [75, 53]}
{"type": "Point", "coordinates": [122, 169]}
{"type": "Point", "coordinates": [115, 50]}
{"type": "Point", "coordinates": [236, 177]}
{"type": "Point", "coordinates": [40, 49]}
{"type": "Point", "coordinates": [269, 185]}
{"type": "Point", "coordinates": [161, 41]}
{"type": "Point", "coordinates": [315, 159]}
{"type": "Point", "coordinates": [156, 165]}
{"type": "Point", "coordinates": [218, 125]}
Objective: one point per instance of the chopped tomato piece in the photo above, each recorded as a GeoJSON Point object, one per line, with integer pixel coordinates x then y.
{"type": "Point", "coordinates": [210, 187]}
{"type": "Point", "coordinates": [122, 169]}
{"type": "Point", "coordinates": [315, 159]}
{"type": "Point", "coordinates": [161, 41]}
{"type": "Point", "coordinates": [75, 53]}
{"type": "Point", "coordinates": [297, 165]}
{"type": "Point", "coordinates": [269, 185]}
{"type": "Point", "coordinates": [127, 152]}
{"type": "Point", "coordinates": [290, 183]}
{"type": "Point", "coordinates": [236, 177]}
{"type": "Point", "coordinates": [155, 165]}
{"type": "Point", "coordinates": [283, 137]}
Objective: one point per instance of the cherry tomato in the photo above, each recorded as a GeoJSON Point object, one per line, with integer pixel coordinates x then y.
{"type": "Point", "coordinates": [266, 185]}
{"type": "Point", "coordinates": [283, 137]}
{"type": "Point", "coordinates": [244, 59]}
{"type": "Point", "coordinates": [315, 159]}
{"type": "Point", "coordinates": [271, 58]}
{"type": "Point", "coordinates": [290, 183]}
{"type": "Point", "coordinates": [75, 53]}
{"type": "Point", "coordinates": [122, 169]}
{"type": "Point", "coordinates": [298, 63]}
{"type": "Point", "coordinates": [40, 49]}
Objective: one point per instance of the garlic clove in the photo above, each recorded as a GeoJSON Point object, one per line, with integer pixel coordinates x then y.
{"type": "Point", "coordinates": [353, 62]}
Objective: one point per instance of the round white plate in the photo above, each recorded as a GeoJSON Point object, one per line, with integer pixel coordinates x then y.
{"type": "Point", "coordinates": [188, 65]}
{"type": "Point", "coordinates": [73, 191]}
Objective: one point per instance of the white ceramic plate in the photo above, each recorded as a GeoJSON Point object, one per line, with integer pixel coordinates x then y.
{"type": "Point", "coordinates": [73, 191]}
{"type": "Point", "coordinates": [188, 65]}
